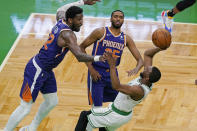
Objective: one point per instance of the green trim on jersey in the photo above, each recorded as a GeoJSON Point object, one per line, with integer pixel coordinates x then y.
{"type": "Point", "coordinates": [119, 111]}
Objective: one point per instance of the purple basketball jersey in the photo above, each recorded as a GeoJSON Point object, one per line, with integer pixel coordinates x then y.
{"type": "Point", "coordinates": [51, 54]}
{"type": "Point", "coordinates": [109, 43]}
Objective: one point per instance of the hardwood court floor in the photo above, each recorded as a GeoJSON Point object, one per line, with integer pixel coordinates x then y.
{"type": "Point", "coordinates": [171, 106]}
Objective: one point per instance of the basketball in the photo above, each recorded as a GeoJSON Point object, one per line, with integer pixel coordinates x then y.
{"type": "Point", "coordinates": [161, 38]}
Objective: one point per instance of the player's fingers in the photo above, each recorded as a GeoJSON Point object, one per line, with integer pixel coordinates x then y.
{"type": "Point", "coordinates": [128, 72]}
{"type": "Point", "coordinates": [133, 73]}
{"type": "Point", "coordinates": [95, 79]}
{"type": "Point", "coordinates": [99, 76]}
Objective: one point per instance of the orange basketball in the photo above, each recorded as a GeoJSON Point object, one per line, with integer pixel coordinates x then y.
{"type": "Point", "coordinates": [161, 38]}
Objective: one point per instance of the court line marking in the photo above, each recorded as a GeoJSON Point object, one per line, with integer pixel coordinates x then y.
{"type": "Point", "coordinates": [15, 43]}
{"type": "Point", "coordinates": [125, 19]}
{"type": "Point", "coordinates": [33, 14]}
{"type": "Point", "coordinates": [82, 36]}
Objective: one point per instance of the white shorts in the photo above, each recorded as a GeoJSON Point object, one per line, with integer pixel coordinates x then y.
{"type": "Point", "coordinates": [110, 117]}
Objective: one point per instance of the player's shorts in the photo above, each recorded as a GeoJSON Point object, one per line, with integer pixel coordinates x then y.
{"type": "Point", "coordinates": [36, 79]}
{"type": "Point", "coordinates": [101, 91]}
{"type": "Point", "coordinates": [110, 117]}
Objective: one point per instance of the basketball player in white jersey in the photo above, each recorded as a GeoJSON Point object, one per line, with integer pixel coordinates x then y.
{"type": "Point", "coordinates": [120, 111]}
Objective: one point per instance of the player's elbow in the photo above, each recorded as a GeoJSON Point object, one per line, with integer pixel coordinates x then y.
{"type": "Point", "coordinates": [82, 48]}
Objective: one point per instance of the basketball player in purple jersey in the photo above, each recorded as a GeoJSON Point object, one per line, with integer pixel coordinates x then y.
{"type": "Point", "coordinates": [107, 39]}
{"type": "Point", "coordinates": [38, 74]}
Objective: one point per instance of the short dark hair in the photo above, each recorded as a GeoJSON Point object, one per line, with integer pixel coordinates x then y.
{"type": "Point", "coordinates": [117, 11]}
{"type": "Point", "coordinates": [155, 75]}
{"type": "Point", "coordinates": [73, 11]}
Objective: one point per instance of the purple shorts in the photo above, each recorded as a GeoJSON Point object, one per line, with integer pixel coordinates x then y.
{"type": "Point", "coordinates": [101, 91]}
{"type": "Point", "coordinates": [36, 79]}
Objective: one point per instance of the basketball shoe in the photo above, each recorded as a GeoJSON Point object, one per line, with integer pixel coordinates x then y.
{"type": "Point", "coordinates": [167, 21]}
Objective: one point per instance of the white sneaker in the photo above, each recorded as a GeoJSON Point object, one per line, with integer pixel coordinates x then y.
{"type": "Point", "coordinates": [167, 21]}
{"type": "Point", "coordinates": [25, 128]}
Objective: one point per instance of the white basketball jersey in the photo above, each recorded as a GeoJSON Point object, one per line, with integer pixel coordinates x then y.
{"type": "Point", "coordinates": [124, 102]}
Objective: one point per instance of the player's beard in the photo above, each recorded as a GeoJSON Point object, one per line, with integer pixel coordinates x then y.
{"type": "Point", "coordinates": [75, 28]}
{"type": "Point", "coordinates": [116, 26]}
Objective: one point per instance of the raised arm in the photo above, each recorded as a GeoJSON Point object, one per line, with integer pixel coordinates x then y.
{"type": "Point", "coordinates": [135, 92]}
{"type": "Point", "coordinates": [69, 40]}
{"type": "Point", "coordinates": [149, 54]}
{"type": "Point", "coordinates": [62, 10]}
{"type": "Point", "coordinates": [93, 37]}
{"type": "Point", "coordinates": [136, 54]}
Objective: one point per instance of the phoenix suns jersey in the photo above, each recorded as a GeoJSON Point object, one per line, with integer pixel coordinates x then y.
{"type": "Point", "coordinates": [50, 55]}
{"type": "Point", "coordinates": [109, 43]}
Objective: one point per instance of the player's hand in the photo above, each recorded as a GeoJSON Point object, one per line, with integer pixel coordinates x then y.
{"type": "Point", "coordinates": [110, 59]}
{"type": "Point", "coordinates": [102, 58]}
{"type": "Point", "coordinates": [90, 2]}
{"type": "Point", "coordinates": [95, 75]}
{"type": "Point", "coordinates": [132, 72]}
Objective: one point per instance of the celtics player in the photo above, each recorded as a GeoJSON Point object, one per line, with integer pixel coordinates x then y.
{"type": "Point", "coordinates": [120, 111]}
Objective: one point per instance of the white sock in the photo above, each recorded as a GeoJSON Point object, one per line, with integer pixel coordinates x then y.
{"type": "Point", "coordinates": [50, 102]}
{"type": "Point", "coordinates": [20, 112]}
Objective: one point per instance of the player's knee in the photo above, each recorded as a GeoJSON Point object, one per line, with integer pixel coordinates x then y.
{"type": "Point", "coordinates": [26, 107]}
{"type": "Point", "coordinates": [27, 111]}
{"type": "Point", "coordinates": [51, 99]}
{"type": "Point", "coordinates": [53, 102]}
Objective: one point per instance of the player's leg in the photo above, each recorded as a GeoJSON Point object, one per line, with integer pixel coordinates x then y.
{"type": "Point", "coordinates": [50, 101]}
{"type": "Point", "coordinates": [110, 118]}
{"type": "Point", "coordinates": [20, 112]}
{"type": "Point", "coordinates": [180, 6]}
{"type": "Point", "coordinates": [82, 122]}
{"type": "Point", "coordinates": [168, 15]}
{"type": "Point", "coordinates": [49, 91]}
{"type": "Point", "coordinates": [28, 94]}
{"type": "Point", "coordinates": [100, 118]}
{"type": "Point", "coordinates": [102, 129]}
{"type": "Point", "coordinates": [109, 94]}
{"type": "Point", "coordinates": [95, 92]}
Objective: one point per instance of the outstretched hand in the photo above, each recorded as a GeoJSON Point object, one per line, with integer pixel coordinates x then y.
{"type": "Point", "coordinates": [90, 2]}
{"type": "Point", "coordinates": [110, 59]}
{"type": "Point", "coordinates": [132, 72]}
